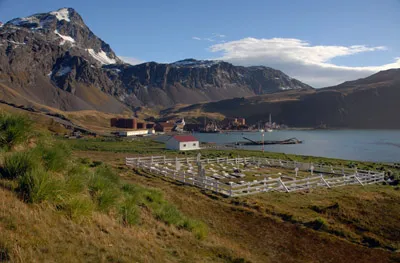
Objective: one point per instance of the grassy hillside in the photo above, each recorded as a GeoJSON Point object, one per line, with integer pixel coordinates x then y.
{"type": "Point", "coordinates": [85, 205]}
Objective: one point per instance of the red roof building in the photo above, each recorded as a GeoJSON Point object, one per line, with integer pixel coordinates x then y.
{"type": "Point", "coordinates": [185, 138]}
{"type": "Point", "coordinates": [183, 143]}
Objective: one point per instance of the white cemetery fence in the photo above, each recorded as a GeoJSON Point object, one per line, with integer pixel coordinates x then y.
{"type": "Point", "coordinates": [321, 175]}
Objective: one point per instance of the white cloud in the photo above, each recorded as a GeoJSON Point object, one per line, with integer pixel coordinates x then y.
{"type": "Point", "coordinates": [218, 35]}
{"type": "Point", "coordinates": [299, 59]}
{"type": "Point", "coordinates": [215, 37]}
{"type": "Point", "coordinates": [131, 60]}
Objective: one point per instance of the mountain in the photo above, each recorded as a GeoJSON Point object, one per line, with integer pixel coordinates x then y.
{"type": "Point", "coordinates": [192, 81]}
{"type": "Point", "coordinates": [55, 60]}
{"type": "Point", "coordinates": [371, 102]}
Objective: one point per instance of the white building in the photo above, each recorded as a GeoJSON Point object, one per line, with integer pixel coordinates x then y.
{"type": "Point", "coordinates": [135, 133]}
{"type": "Point", "coordinates": [183, 143]}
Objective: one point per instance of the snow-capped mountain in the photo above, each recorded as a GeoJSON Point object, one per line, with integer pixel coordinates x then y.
{"type": "Point", "coordinates": [54, 59]}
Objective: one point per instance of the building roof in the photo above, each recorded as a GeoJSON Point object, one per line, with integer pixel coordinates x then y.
{"type": "Point", "coordinates": [166, 124]}
{"type": "Point", "coordinates": [185, 138]}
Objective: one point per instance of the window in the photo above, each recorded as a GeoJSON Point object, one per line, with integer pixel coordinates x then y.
{"type": "Point", "coordinates": [194, 144]}
{"type": "Point", "coordinates": [184, 145]}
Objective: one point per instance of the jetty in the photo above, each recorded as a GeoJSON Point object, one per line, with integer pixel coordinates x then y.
{"type": "Point", "coordinates": [252, 142]}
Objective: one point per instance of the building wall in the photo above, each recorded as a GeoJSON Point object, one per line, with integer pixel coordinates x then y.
{"type": "Point", "coordinates": [124, 123]}
{"type": "Point", "coordinates": [172, 144]}
{"type": "Point", "coordinates": [186, 146]}
{"type": "Point", "coordinates": [133, 133]}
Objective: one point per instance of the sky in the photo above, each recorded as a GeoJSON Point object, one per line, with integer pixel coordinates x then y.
{"type": "Point", "coordinates": [321, 43]}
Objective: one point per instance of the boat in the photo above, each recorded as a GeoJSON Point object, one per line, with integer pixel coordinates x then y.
{"type": "Point", "coordinates": [211, 128]}
{"type": "Point", "coordinates": [270, 124]}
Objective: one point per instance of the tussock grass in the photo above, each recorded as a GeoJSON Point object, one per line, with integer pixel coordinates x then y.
{"type": "Point", "coordinates": [103, 187]}
{"type": "Point", "coordinates": [78, 207]}
{"type": "Point", "coordinates": [129, 211]}
{"type": "Point", "coordinates": [55, 157]}
{"type": "Point", "coordinates": [38, 185]}
{"type": "Point", "coordinates": [17, 164]}
{"type": "Point", "coordinates": [14, 129]}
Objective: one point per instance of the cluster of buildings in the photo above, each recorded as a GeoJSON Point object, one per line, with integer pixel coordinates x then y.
{"type": "Point", "coordinates": [133, 127]}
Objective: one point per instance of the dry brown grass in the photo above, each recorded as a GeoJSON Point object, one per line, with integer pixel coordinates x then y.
{"type": "Point", "coordinates": [249, 230]}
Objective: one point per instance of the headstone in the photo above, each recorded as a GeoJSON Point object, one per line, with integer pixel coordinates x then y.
{"type": "Point", "coordinates": [198, 157]}
{"type": "Point", "coordinates": [296, 170]}
{"type": "Point", "coordinates": [177, 165]}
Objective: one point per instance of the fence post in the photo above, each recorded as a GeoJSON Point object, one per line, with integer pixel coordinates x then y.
{"type": "Point", "coordinates": [284, 186]}
{"type": "Point", "coordinates": [164, 159]}
{"type": "Point", "coordinates": [230, 190]}
{"type": "Point", "coordinates": [355, 176]}
{"type": "Point", "coordinates": [323, 180]}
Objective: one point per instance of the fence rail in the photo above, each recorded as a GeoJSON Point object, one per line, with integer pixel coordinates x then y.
{"type": "Point", "coordinates": [341, 176]}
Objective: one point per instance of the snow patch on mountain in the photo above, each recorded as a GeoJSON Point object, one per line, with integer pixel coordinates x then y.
{"type": "Point", "coordinates": [101, 57]}
{"type": "Point", "coordinates": [63, 71]}
{"type": "Point", "coordinates": [195, 63]}
{"type": "Point", "coordinates": [24, 20]}
{"type": "Point", "coordinates": [65, 38]}
{"type": "Point", "coordinates": [61, 14]}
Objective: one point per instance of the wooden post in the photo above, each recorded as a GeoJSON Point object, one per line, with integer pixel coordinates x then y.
{"type": "Point", "coordinates": [230, 190]}
{"type": "Point", "coordinates": [284, 186]}
{"type": "Point", "coordinates": [164, 159]}
{"type": "Point", "coordinates": [323, 180]}
{"type": "Point", "coordinates": [355, 176]}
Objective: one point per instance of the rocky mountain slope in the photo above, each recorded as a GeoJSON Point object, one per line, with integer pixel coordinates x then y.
{"type": "Point", "coordinates": [371, 102]}
{"type": "Point", "coordinates": [54, 59]}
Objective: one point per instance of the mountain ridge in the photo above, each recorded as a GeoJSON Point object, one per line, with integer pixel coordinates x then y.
{"type": "Point", "coordinates": [64, 54]}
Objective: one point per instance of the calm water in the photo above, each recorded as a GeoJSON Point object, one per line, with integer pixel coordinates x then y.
{"type": "Point", "coordinates": [362, 145]}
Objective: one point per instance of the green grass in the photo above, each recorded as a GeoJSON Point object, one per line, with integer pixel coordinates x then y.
{"type": "Point", "coordinates": [17, 164]}
{"type": "Point", "coordinates": [55, 157]}
{"type": "Point", "coordinates": [147, 146]}
{"type": "Point", "coordinates": [141, 146]}
{"type": "Point", "coordinates": [38, 185]}
{"type": "Point", "coordinates": [14, 129]}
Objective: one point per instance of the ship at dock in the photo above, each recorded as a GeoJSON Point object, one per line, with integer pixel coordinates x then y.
{"type": "Point", "coordinates": [210, 127]}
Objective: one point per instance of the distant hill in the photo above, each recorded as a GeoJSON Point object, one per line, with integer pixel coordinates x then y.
{"type": "Point", "coordinates": [372, 102]}
{"type": "Point", "coordinates": [55, 60]}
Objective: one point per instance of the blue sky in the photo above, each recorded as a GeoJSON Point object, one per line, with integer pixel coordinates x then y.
{"type": "Point", "coordinates": [298, 37]}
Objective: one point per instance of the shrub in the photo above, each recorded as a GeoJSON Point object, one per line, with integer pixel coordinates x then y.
{"type": "Point", "coordinates": [17, 164]}
{"type": "Point", "coordinates": [38, 185]}
{"type": "Point", "coordinates": [14, 129]}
